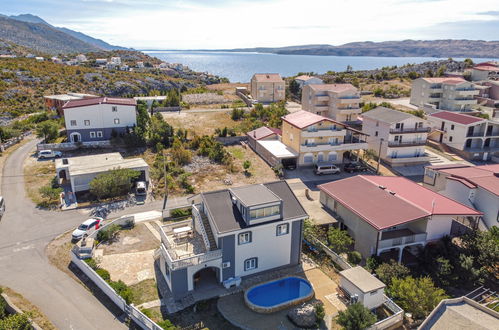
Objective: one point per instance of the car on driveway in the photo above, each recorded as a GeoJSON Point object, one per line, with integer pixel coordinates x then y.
{"type": "Point", "coordinates": [141, 188]}
{"type": "Point", "coordinates": [321, 169]}
{"type": "Point", "coordinates": [354, 167]}
{"type": "Point", "coordinates": [45, 154]}
{"type": "Point", "coordinates": [86, 228]}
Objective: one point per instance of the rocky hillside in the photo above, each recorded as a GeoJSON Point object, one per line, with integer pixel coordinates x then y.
{"type": "Point", "coordinates": [405, 48]}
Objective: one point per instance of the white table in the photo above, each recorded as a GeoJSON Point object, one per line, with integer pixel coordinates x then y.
{"type": "Point", "coordinates": [181, 231]}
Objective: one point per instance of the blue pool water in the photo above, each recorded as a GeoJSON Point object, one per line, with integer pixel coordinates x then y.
{"type": "Point", "coordinates": [278, 292]}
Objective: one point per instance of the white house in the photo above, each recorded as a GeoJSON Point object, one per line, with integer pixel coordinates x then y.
{"type": "Point", "coordinates": [361, 286]}
{"type": "Point", "coordinates": [233, 233]}
{"type": "Point", "coordinates": [399, 136]}
{"type": "Point", "coordinates": [98, 118]}
{"type": "Point", "coordinates": [308, 80]}
{"type": "Point", "coordinates": [475, 186]}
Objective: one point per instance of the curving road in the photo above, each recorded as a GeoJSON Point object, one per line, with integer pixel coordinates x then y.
{"type": "Point", "coordinates": [25, 231]}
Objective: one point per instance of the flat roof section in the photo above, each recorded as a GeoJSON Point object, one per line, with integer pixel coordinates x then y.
{"type": "Point", "coordinates": [362, 279]}
{"type": "Point", "coordinates": [278, 149]}
{"type": "Point", "coordinates": [99, 163]}
{"type": "Point", "coordinates": [254, 195]}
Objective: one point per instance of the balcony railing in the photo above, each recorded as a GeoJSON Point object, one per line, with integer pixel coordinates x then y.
{"type": "Point", "coordinates": [475, 134]}
{"type": "Point", "coordinates": [189, 261]}
{"type": "Point", "coordinates": [321, 144]}
{"type": "Point", "coordinates": [395, 144]}
{"type": "Point", "coordinates": [353, 97]}
{"type": "Point", "coordinates": [402, 240]}
{"type": "Point", "coordinates": [410, 130]}
{"type": "Point", "coordinates": [330, 128]}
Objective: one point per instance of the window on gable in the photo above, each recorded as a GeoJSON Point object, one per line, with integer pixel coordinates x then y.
{"type": "Point", "coordinates": [87, 122]}
{"type": "Point", "coordinates": [376, 133]}
{"type": "Point", "coordinates": [282, 229]}
{"type": "Point", "coordinates": [251, 263]}
{"type": "Point", "coordinates": [116, 121]}
{"type": "Point", "coordinates": [450, 138]}
{"type": "Point", "coordinates": [451, 127]}
{"type": "Point", "coordinates": [73, 123]}
{"type": "Point", "coordinates": [99, 134]}
{"type": "Point", "coordinates": [244, 238]}
{"type": "Point", "coordinates": [115, 108]}
{"type": "Point", "coordinates": [92, 135]}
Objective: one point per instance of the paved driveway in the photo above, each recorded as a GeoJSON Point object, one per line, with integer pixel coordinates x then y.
{"type": "Point", "coordinates": [25, 231]}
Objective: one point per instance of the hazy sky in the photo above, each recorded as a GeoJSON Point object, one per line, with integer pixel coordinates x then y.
{"type": "Point", "coordinates": [183, 24]}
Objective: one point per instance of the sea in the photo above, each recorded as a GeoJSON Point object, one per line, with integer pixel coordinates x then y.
{"type": "Point", "coordinates": [240, 66]}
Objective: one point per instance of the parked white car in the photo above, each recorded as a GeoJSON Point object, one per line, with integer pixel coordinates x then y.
{"type": "Point", "coordinates": [86, 228]}
{"type": "Point", "coordinates": [45, 154]}
{"type": "Point", "coordinates": [141, 188]}
{"type": "Point", "coordinates": [321, 169]}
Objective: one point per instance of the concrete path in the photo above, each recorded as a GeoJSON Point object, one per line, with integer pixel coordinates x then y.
{"type": "Point", "coordinates": [25, 231]}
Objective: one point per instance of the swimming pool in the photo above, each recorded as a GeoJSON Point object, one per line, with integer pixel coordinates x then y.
{"type": "Point", "coordinates": [279, 294]}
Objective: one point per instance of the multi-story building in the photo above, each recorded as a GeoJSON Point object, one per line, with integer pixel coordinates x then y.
{"type": "Point", "coordinates": [485, 71]}
{"type": "Point", "coordinates": [453, 94]}
{"type": "Point", "coordinates": [98, 118]}
{"type": "Point", "coordinates": [304, 80]}
{"type": "Point", "coordinates": [390, 215]}
{"type": "Point", "coordinates": [319, 139]}
{"type": "Point", "coordinates": [470, 137]}
{"type": "Point", "coordinates": [339, 102]}
{"type": "Point", "coordinates": [267, 87]}
{"type": "Point", "coordinates": [233, 233]}
{"type": "Point", "coordinates": [398, 136]}
{"type": "Point", "coordinates": [475, 186]}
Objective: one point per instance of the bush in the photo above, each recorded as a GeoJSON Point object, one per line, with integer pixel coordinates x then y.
{"type": "Point", "coordinates": [92, 263]}
{"type": "Point", "coordinates": [320, 313]}
{"type": "Point", "coordinates": [356, 317]}
{"type": "Point", "coordinates": [166, 324]}
{"type": "Point", "coordinates": [339, 240]}
{"type": "Point", "coordinates": [16, 322]}
{"type": "Point", "coordinates": [3, 306]}
{"type": "Point", "coordinates": [372, 263]}
{"type": "Point", "coordinates": [177, 213]}
{"type": "Point", "coordinates": [117, 182]}
{"type": "Point", "coordinates": [104, 274]}
{"type": "Point", "coordinates": [388, 271]}
{"type": "Point", "coordinates": [354, 257]}
{"type": "Point", "coordinates": [123, 290]}
{"type": "Point", "coordinates": [108, 234]}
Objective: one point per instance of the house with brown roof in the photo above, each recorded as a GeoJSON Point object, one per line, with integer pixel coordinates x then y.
{"type": "Point", "coordinates": [445, 93]}
{"type": "Point", "coordinates": [318, 139]}
{"type": "Point", "coordinates": [393, 216]}
{"type": "Point", "coordinates": [267, 87]}
{"type": "Point", "coordinates": [475, 186]}
{"type": "Point", "coordinates": [336, 101]}
{"type": "Point", "coordinates": [98, 118]}
{"type": "Point", "coordinates": [485, 71]}
{"type": "Point", "coordinates": [469, 136]}
{"type": "Point", "coordinates": [304, 80]}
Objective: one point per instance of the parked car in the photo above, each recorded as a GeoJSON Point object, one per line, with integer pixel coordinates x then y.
{"type": "Point", "coordinates": [45, 154]}
{"type": "Point", "coordinates": [86, 228]}
{"type": "Point", "coordinates": [141, 188]}
{"type": "Point", "coordinates": [321, 169]}
{"type": "Point", "coordinates": [355, 167]}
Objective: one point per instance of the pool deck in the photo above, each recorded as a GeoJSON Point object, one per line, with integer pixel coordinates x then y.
{"type": "Point", "coordinates": [234, 309]}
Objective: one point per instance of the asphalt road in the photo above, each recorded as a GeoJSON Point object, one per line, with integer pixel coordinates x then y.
{"type": "Point", "coordinates": [25, 231]}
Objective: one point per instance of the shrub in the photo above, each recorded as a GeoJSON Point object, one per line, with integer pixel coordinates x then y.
{"type": "Point", "coordinates": [354, 257]}
{"type": "Point", "coordinates": [92, 263]}
{"type": "Point", "coordinates": [339, 240]}
{"type": "Point", "coordinates": [167, 325]}
{"type": "Point", "coordinates": [356, 317]}
{"type": "Point", "coordinates": [117, 182]}
{"type": "Point", "coordinates": [177, 213]}
{"type": "Point", "coordinates": [320, 313]}
{"type": "Point", "coordinates": [104, 274]}
{"type": "Point", "coordinates": [16, 322]}
{"type": "Point", "coordinates": [388, 271]}
{"type": "Point", "coordinates": [108, 234]}
{"type": "Point", "coordinates": [372, 263]}
{"type": "Point", "coordinates": [123, 290]}
{"type": "Point", "coordinates": [3, 306]}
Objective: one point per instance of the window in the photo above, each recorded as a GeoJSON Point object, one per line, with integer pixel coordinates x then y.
{"type": "Point", "coordinates": [372, 293]}
{"type": "Point", "coordinates": [282, 229]}
{"type": "Point", "coordinates": [396, 138]}
{"type": "Point", "coordinates": [397, 125]}
{"type": "Point", "coordinates": [377, 123]}
{"type": "Point", "coordinates": [73, 123]}
{"type": "Point", "coordinates": [244, 238]}
{"type": "Point", "coordinates": [450, 138]}
{"type": "Point", "coordinates": [86, 122]}
{"type": "Point", "coordinates": [250, 264]}
{"type": "Point", "coordinates": [99, 134]}
{"type": "Point", "coordinates": [116, 121]}
{"type": "Point", "coordinates": [452, 127]}
{"type": "Point", "coordinates": [264, 212]}
{"type": "Point", "coordinates": [376, 133]}
{"type": "Point", "coordinates": [115, 108]}
{"type": "Point", "coordinates": [92, 135]}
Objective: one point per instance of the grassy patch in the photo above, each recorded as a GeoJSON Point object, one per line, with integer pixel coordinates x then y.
{"type": "Point", "coordinates": [144, 291]}
{"type": "Point", "coordinates": [26, 306]}
{"type": "Point", "coordinates": [37, 175]}
{"type": "Point", "coordinates": [237, 152]}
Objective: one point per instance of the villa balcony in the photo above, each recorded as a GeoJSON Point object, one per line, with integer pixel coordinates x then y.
{"type": "Point", "coordinates": [436, 89]}
{"type": "Point", "coordinates": [400, 237]}
{"type": "Point", "coordinates": [399, 160]}
{"type": "Point", "coordinates": [349, 99]}
{"type": "Point", "coordinates": [321, 108]}
{"type": "Point", "coordinates": [410, 130]}
{"type": "Point", "coordinates": [323, 132]}
{"type": "Point", "coordinates": [315, 147]}
{"type": "Point", "coordinates": [464, 101]}
{"type": "Point", "coordinates": [398, 144]}
{"type": "Point", "coordinates": [322, 98]}
{"type": "Point", "coordinates": [467, 91]}
{"type": "Point", "coordinates": [183, 246]}
{"type": "Point", "coordinates": [348, 111]}
{"type": "Point", "coordinates": [482, 149]}
{"type": "Point", "coordinates": [476, 134]}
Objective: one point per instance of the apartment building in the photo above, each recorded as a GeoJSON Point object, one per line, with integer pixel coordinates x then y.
{"type": "Point", "coordinates": [267, 87]}
{"type": "Point", "coordinates": [453, 94]}
{"type": "Point", "coordinates": [390, 216]}
{"type": "Point", "coordinates": [319, 139]}
{"type": "Point", "coordinates": [485, 71]}
{"type": "Point", "coordinates": [470, 137]}
{"type": "Point", "coordinates": [339, 102]}
{"type": "Point", "coordinates": [233, 233]}
{"type": "Point", "coordinates": [304, 80]}
{"type": "Point", "coordinates": [398, 136]}
{"type": "Point", "coordinates": [98, 118]}
{"type": "Point", "coordinates": [475, 186]}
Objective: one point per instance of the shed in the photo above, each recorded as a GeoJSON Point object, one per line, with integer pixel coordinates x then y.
{"type": "Point", "coordinates": [361, 285]}
{"type": "Point", "coordinates": [275, 152]}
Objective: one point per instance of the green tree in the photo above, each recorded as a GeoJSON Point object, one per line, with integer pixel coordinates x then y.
{"type": "Point", "coordinates": [116, 182]}
{"type": "Point", "coordinates": [418, 296]}
{"type": "Point", "coordinates": [339, 240]}
{"type": "Point", "coordinates": [294, 88]}
{"type": "Point", "coordinates": [108, 234]}
{"type": "Point", "coordinates": [180, 155]}
{"type": "Point", "coordinates": [388, 271]}
{"type": "Point", "coordinates": [16, 322]}
{"type": "Point", "coordinates": [356, 317]}
{"type": "Point", "coordinates": [469, 62]}
{"type": "Point", "coordinates": [246, 165]}
{"type": "Point", "coordinates": [48, 130]}
{"type": "Point", "coordinates": [3, 306]}
{"type": "Point", "coordinates": [441, 71]}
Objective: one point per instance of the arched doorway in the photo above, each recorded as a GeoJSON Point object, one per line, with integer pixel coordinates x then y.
{"type": "Point", "coordinates": [75, 137]}
{"type": "Point", "coordinates": [206, 278]}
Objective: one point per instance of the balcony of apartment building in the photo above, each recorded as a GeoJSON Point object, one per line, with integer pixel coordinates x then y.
{"type": "Point", "coordinates": [476, 131]}
{"type": "Point", "coordinates": [322, 98]}
{"type": "Point", "coordinates": [321, 146]}
{"type": "Point", "coordinates": [411, 143]}
{"type": "Point", "coordinates": [349, 99]}
{"type": "Point", "coordinates": [434, 97]}
{"type": "Point", "coordinates": [489, 144]}
{"type": "Point", "coordinates": [188, 243]}
{"type": "Point", "coordinates": [395, 159]}
{"type": "Point", "coordinates": [406, 130]}
{"type": "Point", "coordinates": [492, 130]}
{"type": "Point", "coordinates": [464, 101]}
{"type": "Point", "coordinates": [467, 91]}
{"type": "Point", "coordinates": [398, 240]}
{"type": "Point", "coordinates": [436, 88]}
{"type": "Point", "coordinates": [329, 131]}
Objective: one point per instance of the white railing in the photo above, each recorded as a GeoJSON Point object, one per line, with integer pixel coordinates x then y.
{"type": "Point", "coordinates": [390, 321]}
{"type": "Point", "coordinates": [199, 224]}
{"type": "Point", "coordinates": [409, 239]}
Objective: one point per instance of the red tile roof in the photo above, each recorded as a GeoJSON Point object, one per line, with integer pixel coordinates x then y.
{"type": "Point", "coordinates": [263, 132]}
{"type": "Point", "coordinates": [486, 176]}
{"type": "Point", "coordinates": [446, 80]}
{"type": "Point", "coordinates": [457, 117]}
{"type": "Point", "coordinates": [338, 88]}
{"type": "Point", "coordinates": [302, 119]}
{"type": "Point", "coordinates": [486, 68]}
{"type": "Point", "coordinates": [99, 100]}
{"type": "Point", "coordinates": [268, 77]}
{"type": "Point", "coordinates": [385, 201]}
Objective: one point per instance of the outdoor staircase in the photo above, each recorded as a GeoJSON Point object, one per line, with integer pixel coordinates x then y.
{"type": "Point", "coordinates": [209, 232]}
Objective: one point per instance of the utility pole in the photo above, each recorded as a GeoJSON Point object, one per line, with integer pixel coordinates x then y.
{"type": "Point", "coordinates": [379, 155]}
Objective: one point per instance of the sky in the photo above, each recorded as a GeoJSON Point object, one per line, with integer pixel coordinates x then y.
{"type": "Point", "coordinates": [219, 24]}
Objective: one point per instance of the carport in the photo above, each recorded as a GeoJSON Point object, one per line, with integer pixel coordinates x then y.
{"type": "Point", "coordinates": [275, 152]}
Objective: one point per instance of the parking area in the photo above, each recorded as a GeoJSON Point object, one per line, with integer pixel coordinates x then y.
{"type": "Point", "coordinates": [306, 174]}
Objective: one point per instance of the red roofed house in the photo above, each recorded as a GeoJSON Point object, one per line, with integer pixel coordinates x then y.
{"type": "Point", "coordinates": [267, 87]}
{"type": "Point", "coordinates": [336, 101]}
{"type": "Point", "coordinates": [318, 139]}
{"type": "Point", "coordinates": [98, 118]}
{"type": "Point", "coordinates": [475, 186]}
{"type": "Point", "coordinates": [485, 71]}
{"type": "Point", "coordinates": [470, 137]}
{"type": "Point", "coordinates": [304, 80]}
{"type": "Point", "coordinates": [387, 214]}
{"type": "Point", "coordinates": [448, 93]}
